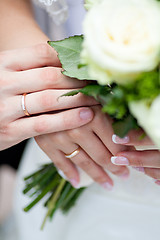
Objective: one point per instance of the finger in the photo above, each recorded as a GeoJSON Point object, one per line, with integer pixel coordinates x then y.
{"type": "Point", "coordinates": [43, 102]}
{"type": "Point", "coordinates": [153, 173]}
{"type": "Point", "coordinates": [92, 169]}
{"type": "Point", "coordinates": [58, 158]}
{"type": "Point", "coordinates": [146, 158]}
{"type": "Point", "coordinates": [48, 100]}
{"type": "Point", "coordinates": [62, 139]}
{"type": "Point", "coordinates": [28, 58]}
{"type": "Point", "coordinates": [34, 126]}
{"type": "Point", "coordinates": [105, 131]}
{"type": "Point", "coordinates": [83, 160]}
{"type": "Point", "coordinates": [134, 138]}
{"type": "Point", "coordinates": [90, 143]}
{"type": "Point", "coordinates": [39, 79]}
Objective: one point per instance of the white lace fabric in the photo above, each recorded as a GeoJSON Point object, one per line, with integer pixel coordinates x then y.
{"type": "Point", "coordinates": [57, 9]}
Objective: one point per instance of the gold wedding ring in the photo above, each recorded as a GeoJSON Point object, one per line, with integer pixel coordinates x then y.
{"type": "Point", "coordinates": [73, 154]}
{"type": "Point", "coordinates": [24, 105]}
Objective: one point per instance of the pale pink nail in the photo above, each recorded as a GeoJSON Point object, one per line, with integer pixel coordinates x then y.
{"type": "Point", "coordinates": [124, 175]}
{"type": "Point", "coordinates": [86, 114]}
{"type": "Point", "coordinates": [119, 140]}
{"type": "Point", "coordinates": [74, 182]}
{"type": "Point", "coordinates": [140, 169]}
{"type": "Point", "coordinates": [120, 161]}
{"type": "Point", "coordinates": [107, 186]}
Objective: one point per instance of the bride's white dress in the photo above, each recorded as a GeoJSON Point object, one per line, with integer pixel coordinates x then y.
{"type": "Point", "coordinates": [130, 212]}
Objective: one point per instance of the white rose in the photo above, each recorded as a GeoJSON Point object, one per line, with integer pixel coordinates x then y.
{"type": "Point", "coordinates": [148, 118]}
{"type": "Point", "coordinates": [122, 39]}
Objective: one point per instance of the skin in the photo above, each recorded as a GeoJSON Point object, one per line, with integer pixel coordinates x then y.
{"type": "Point", "coordinates": [96, 146]}
{"type": "Point", "coordinates": [146, 161]}
{"type": "Point", "coordinates": [44, 87]}
{"type": "Point", "coordinates": [45, 96]}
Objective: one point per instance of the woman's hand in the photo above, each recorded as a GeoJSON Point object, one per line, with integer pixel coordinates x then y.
{"type": "Point", "coordinates": [146, 161]}
{"type": "Point", "coordinates": [25, 71]}
{"type": "Point", "coordinates": [96, 150]}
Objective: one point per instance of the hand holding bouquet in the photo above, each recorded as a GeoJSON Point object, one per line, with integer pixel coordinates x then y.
{"type": "Point", "coordinates": [120, 52]}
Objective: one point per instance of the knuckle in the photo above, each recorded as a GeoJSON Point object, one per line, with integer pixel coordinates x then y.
{"type": "Point", "coordinates": [100, 178]}
{"type": "Point", "coordinates": [41, 125]}
{"type": "Point", "coordinates": [59, 138]}
{"type": "Point", "coordinates": [8, 133]}
{"type": "Point", "coordinates": [42, 50]}
{"type": "Point", "coordinates": [75, 133]}
{"type": "Point", "coordinates": [47, 100]}
{"type": "Point", "coordinates": [51, 76]}
{"type": "Point", "coordinates": [85, 164]}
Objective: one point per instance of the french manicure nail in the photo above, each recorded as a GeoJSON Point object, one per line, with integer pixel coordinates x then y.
{"type": "Point", "coordinates": [86, 114]}
{"type": "Point", "coordinates": [107, 186]}
{"type": "Point", "coordinates": [119, 140]}
{"type": "Point", "coordinates": [74, 182]}
{"type": "Point", "coordinates": [140, 169]}
{"type": "Point", "coordinates": [120, 161]}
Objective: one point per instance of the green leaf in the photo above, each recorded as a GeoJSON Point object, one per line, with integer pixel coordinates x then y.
{"type": "Point", "coordinates": [71, 93]}
{"type": "Point", "coordinates": [92, 90]}
{"type": "Point", "coordinates": [121, 128]}
{"type": "Point", "coordinates": [48, 188]}
{"type": "Point", "coordinates": [69, 51]}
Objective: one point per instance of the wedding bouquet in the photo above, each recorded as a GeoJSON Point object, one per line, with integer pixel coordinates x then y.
{"type": "Point", "coordinates": [119, 54]}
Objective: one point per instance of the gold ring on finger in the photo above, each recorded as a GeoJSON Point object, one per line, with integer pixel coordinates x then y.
{"type": "Point", "coordinates": [24, 105]}
{"type": "Point", "coordinates": [73, 154]}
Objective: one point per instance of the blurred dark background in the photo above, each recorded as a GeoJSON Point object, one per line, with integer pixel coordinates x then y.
{"type": "Point", "coordinates": [12, 155]}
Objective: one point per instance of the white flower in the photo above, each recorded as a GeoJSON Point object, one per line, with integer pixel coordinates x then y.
{"type": "Point", "coordinates": [148, 118]}
{"type": "Point", "coordinates": [122, 39]}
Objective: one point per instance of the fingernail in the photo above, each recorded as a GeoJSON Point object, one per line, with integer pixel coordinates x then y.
{"type": "Point", "coordinates": [124, 175]}
{"type": "Point", "coordinates": [140, 169]}
{"type": "Point", "coordinates": [120, 161]}
{"type": "Point", "coordinates": [107, 186]}
{"type": "Point", "coordinates": [86, 114]}
{"type": "Point", "coordinates": [74, 182]}
{"type": "Point", "coordinates": [119, 140]}
{"type": "Point", "coordinates": [157, 182]}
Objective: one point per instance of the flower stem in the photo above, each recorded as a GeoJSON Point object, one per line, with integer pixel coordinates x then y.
{"type": "Point", "coordinates": [52, 202]}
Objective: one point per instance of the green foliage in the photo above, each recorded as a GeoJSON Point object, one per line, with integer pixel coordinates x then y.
{"type": "Point", "coordinates": [115, 99]}
{"type": "Point", "coordinates": [114, 103]}
{"type": "Point", "coordinates": [93, 90]}
{"type": "Point", "coordinates": [69, 51]}
{"type": "Point", "coordinates": [47, 182]}
{"type": "Point", "coordinates": [147, 87]}
{"type": "Point", "coordinates": [122, 127]}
